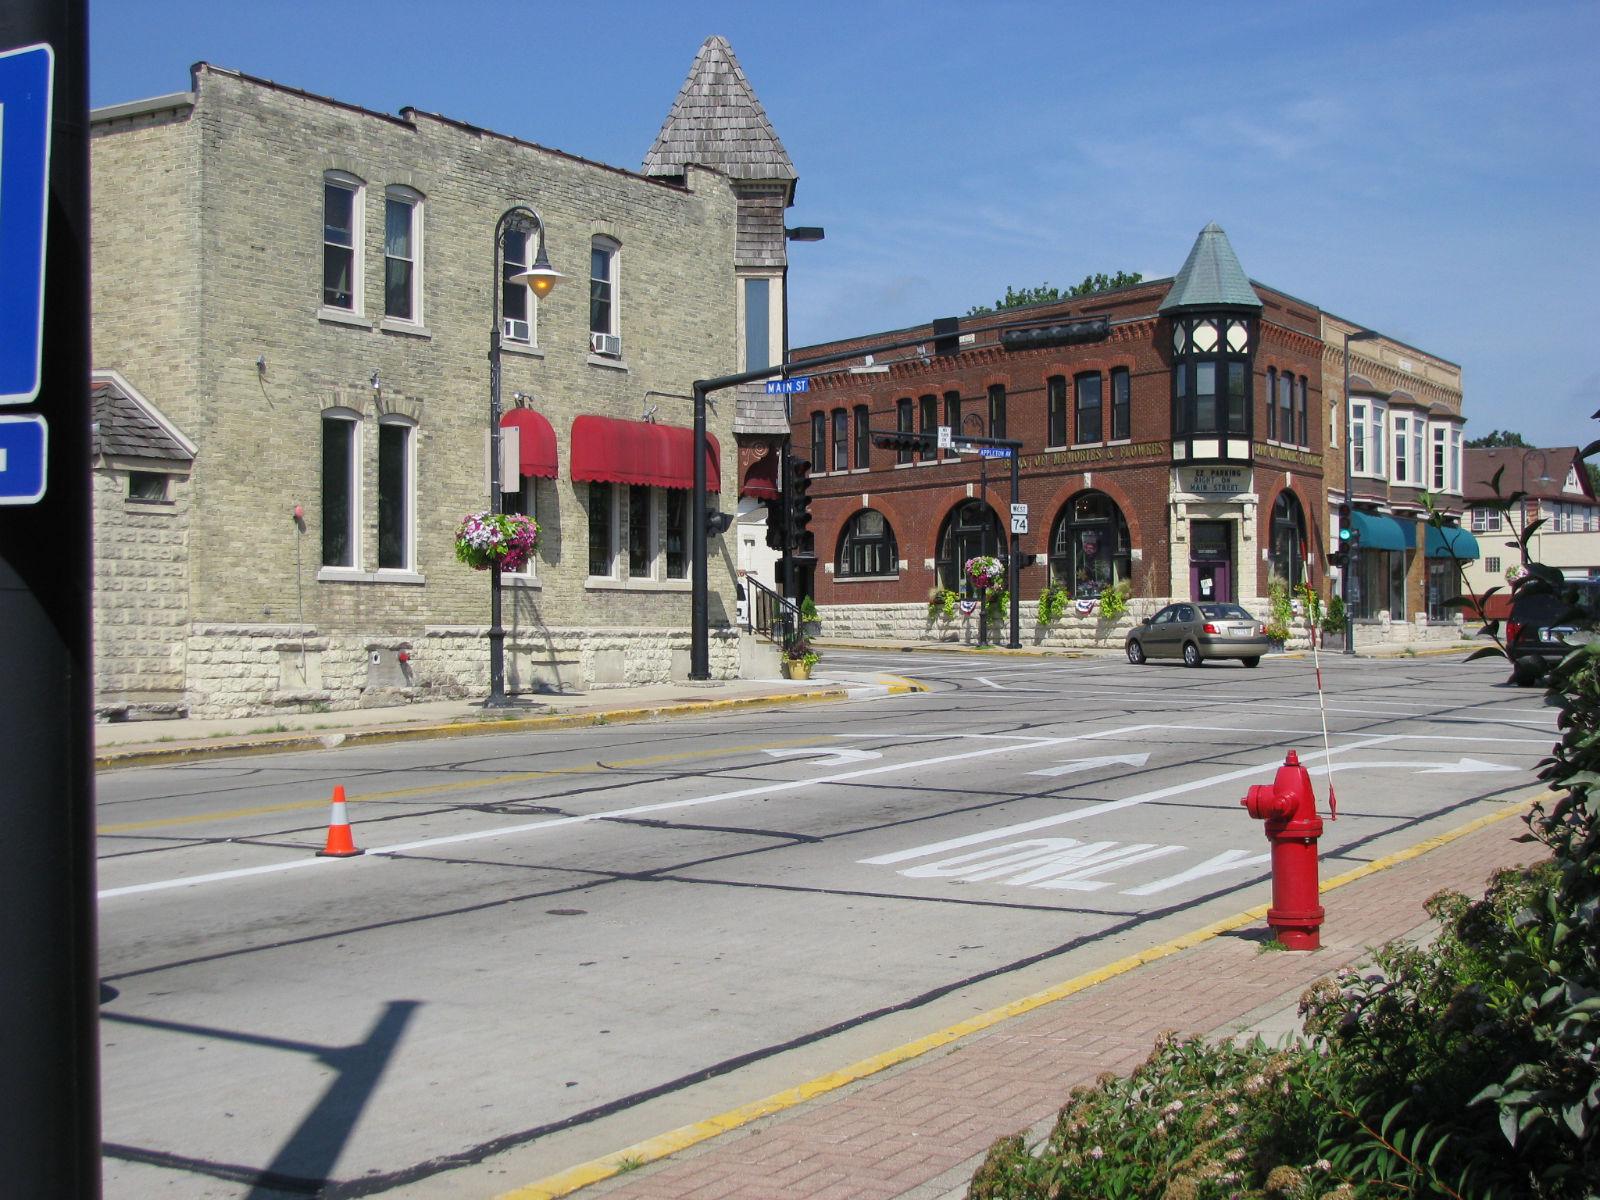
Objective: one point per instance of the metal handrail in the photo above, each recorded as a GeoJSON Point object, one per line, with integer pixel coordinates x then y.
{"type": "Point", "coordinates": [769, 613]}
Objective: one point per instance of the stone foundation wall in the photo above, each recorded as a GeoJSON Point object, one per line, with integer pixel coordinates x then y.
{"type": "Point", "coordinates": [257, 670]}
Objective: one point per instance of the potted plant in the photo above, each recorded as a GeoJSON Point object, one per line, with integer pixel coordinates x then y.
{"type": "Point", "coordinates": [486, 538]}
{"type": "Point", "coordinates": [798, 659]}
{"type": "Point", "coordinates": [810, 619]}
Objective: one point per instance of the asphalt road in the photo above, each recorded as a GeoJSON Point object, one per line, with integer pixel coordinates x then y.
{"type": "Point", "coordinates": [557, 944]}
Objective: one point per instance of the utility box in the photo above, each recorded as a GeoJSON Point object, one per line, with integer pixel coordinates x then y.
{"type": "Point", "coordinates": [388, 667]}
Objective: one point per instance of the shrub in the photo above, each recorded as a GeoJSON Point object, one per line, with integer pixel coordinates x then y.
{"type": "Point", "coordinates": [1053, 603]}
{"type": "Point", "coordinates": [1333, 619]}
{"type": "Point", "coordinates": [1114, 600]}
{"type": "Point", "coordinates": [941, 603]}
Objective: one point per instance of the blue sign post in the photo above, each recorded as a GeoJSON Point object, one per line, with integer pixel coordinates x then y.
{"type": "Point", "coordinates": [25, 78]}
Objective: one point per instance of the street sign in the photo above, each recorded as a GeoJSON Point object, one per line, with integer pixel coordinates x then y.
{"type": "Point", "coordinates": [1019, 522]}
{"type": "Point", "coordinates": [22, 458]}
{"type": "Point", "coordinates": [994, 451]}
{"type": "Point", "coordinates": [945, 438]}
{"type": "Point", "coordinates": [25, 83]}
{"type": "Point", "coordinates": [1019, 510]}
{"type": "Point", "coordinates": [780, 387]}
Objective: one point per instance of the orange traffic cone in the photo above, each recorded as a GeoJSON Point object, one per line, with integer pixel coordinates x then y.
{"type": "Point", "coordinates": [340, 843]}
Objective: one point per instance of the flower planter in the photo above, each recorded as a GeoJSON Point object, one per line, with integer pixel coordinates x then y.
{"type": "Point", "coordinates": [794, 668]}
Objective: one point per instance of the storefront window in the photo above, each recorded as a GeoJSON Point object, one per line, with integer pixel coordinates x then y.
{"type": "Point", "coordinates": [970, 530]}
{"type": "Point", "coordinates": [1089, 545]}
{"type": "Point", "coordinates": [1288, 538]}
{"type": "Point", "coordinates": [1379, 585]}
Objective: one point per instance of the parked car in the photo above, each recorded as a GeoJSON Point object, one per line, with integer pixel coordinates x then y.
{"type": "Point", "coordinates": [1540, 630]}
{"type": "Point", "coordinates": [1195, 631]}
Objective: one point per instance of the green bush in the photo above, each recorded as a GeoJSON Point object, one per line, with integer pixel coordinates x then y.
{"type": "Point", "coordinates": [1053, 603]}
{"type": "Point", "coordinates": [941, 603]}
{"type": "Point", "coordinates": [1114, 600]}
{"type": "Point", "coordinates": [1333, 619]}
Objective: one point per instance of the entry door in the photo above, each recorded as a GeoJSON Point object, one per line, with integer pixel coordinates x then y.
{"type": "Point", "coordinates": [1211, 562]}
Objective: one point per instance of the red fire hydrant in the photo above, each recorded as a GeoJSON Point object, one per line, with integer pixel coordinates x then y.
{"type": "Point", "coordinates": [1289, 808]}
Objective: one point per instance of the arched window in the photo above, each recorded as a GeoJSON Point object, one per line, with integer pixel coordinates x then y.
{"type": "Point", "coordinates": [1089, 545]}
{"type": "Point", "coordinates": [867, 546]}
{"type": "Point", "coordinates": [1288, 538]}
{"type": "Point", "coordinates": [971, 529]}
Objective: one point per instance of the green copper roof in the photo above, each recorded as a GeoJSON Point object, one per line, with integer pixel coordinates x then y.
{"type": "Point", "coordinates": [1211, 277]}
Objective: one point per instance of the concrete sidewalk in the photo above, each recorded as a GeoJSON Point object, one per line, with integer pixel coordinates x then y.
{"type": "Point", "coordinates": [143, 743]}
{"type": "Point", "coordinates": [910, 1124]}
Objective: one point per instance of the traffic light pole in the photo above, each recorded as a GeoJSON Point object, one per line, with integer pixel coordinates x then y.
{"type": "Point", "coordinates": [49, 1006]}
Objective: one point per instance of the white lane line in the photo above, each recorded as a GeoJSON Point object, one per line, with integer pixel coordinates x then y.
{"type": "Point", "coordinates": [989, 683]}
{"type": "Point", "coordinates": [1177, 789]}
{"type": "Point", "coordinates": [765, 789]}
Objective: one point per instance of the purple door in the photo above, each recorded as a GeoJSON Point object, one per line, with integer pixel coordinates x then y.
{"type": "Point", "coordinates": [1211, 562]}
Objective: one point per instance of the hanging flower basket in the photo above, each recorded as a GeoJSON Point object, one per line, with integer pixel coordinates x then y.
{"type": "Point", "coordinates": [985, 571]}
{"type": "Point", "coordinates": [485, 538]}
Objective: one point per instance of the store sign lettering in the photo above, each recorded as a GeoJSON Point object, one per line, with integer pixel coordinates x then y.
{"type": "Point", "coordinates": [1062, 458]}
{"type": "Point", "coordinates": [1216, 480]}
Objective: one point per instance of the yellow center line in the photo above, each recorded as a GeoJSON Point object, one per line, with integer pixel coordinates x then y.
{"type": "Point", "coordinates": [443, 788]}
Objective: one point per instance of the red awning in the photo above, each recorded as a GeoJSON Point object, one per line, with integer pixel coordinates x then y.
{"type": "Point", "coordinates": [605, 450]}
{"type": "Point", "coordinates": [536, 442]}
{"type": "Point", "coordinates": [761, 480]}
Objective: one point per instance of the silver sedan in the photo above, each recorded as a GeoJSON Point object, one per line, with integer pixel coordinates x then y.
{"type": "Point", "coordinates": [1195, 632]}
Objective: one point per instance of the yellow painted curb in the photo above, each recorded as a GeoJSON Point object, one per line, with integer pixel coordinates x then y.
{"type": "Point", "coordinates": [566, 1182]}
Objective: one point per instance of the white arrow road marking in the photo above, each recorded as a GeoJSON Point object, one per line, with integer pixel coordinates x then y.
{"type": "Point", "coordinates": [1095, 810]}
{"type": "Point", "coordinates": [835, 756]}
{"type": "Point", "coordinates": [1228, 860]}
{"type": "Point", "coordinates": [1462, 766]}
{"type": "Point", "coordinates": [989, 683]}
{"type": "Point", "coordinates": [1091, 764]}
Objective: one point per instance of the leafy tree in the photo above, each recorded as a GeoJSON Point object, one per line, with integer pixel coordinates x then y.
{"type": "Point", "coordinates": [1495, 439]}
{"type": "Point", "coordinates": [1044, 293]}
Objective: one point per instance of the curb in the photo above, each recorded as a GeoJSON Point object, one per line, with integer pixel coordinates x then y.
{"type": "Point", "coordinates": [652, 1149]}
{"type": "Point", "coordinates": [329, 739]}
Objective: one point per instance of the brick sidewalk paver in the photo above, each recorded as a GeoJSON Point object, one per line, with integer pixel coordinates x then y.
{"type": "Point", "coordinates": [892, 1134]}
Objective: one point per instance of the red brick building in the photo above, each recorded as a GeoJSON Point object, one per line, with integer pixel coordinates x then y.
{"type": "Point", "coordinates": [1179, 457]}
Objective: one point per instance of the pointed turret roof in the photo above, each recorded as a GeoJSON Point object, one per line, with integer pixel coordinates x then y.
{"type": "Point", "coordinates": [1211, 277]}
{"type": "Point", "coordinates": [717, 122]}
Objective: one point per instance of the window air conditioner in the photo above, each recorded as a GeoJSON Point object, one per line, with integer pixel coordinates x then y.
{"type": "Point", "coordinates": [514, 329]}
{"type": "Point", "coordinates": [608, 344]}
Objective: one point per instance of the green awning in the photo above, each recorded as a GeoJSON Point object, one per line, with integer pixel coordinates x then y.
{"type": "Point", "coordinates": [1451, 542]}
{"type": "Point", "coordinates": [1381, 533]}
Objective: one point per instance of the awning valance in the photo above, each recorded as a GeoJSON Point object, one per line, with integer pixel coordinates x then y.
{"type": "Point", "coordinates": [761, 480]}
{"type": "Point", "coordinates": [606, 450]}
{"type": "Point", "coordinates": [1380, 532]}
{"type": "Point", "coordinates": [536, 442]}
{"type": "Point", "coordinates": [1451, 542]}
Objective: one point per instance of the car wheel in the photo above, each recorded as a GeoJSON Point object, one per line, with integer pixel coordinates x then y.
{"type": "Point", "coordinates": [1191, 655]}
{"type": "Point", "coordinates": [1252, 661]}
{"type": "Point", "coordinates": [1135, 653]}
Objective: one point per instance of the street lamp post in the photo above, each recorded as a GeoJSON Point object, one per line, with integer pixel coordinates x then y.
{"type": "Point", "coordinates": [541, 277]}
{"type": "Point", "coordinates": [1351, 335]}
{"type": "Point", "coordinates": [1522, 502]}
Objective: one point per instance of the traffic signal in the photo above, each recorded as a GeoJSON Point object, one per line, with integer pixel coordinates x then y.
{"type": "Point", "coordinates": [923, 443]}
{"type": "Point", "coordinates": [717, 522]}
{"type": "Point", "coordinates": [777, 528]}
{"type": "Point", "coordinates": [797, 505]}
{"type": "Point", "coordinates": [947, 336]}
{"type": "Point", "coordinates": [1062, 333]}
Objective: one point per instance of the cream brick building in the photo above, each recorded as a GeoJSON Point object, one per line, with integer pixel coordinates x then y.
{"type": "Point", "coordinates": [305, 288]}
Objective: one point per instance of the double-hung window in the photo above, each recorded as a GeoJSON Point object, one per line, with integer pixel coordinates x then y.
{"type": "Point", "coordinates": [1122, 405]}
{"type": "Point", "coordinates": [1286, 407]}
{"type": "Point", "coordinates": [841, 440]}
{"type": "Point", "coordinates": [1441, 473]}
{"type": "Point", "coordinates": [819, 443]}
{"type": "Point", "coordinates": [863, 437]}
{"type": "Point", "coordinates": [1272, 404]}
{"type": "Point", "coordinates": [758, 349]}
{"type": "Point", "coordinates": [997, 410]}
{"type": "Point", "coordinates": [342, 195]}
{"type": "Point", "coordinates": [952, 417]}
{"type": "Point", "coordinates": [396, 495]}
{"type": "Point", "coordinates": [604, 330]}
{"type": "Point", "coordinates": [341, 489]}
{"type": "Point", "coordinates": [1056, 408]}
{"type": "Point", "coordinates": [519, 304]}
{"type": "Point", "coordinates": [902, 424]}
{"type": "Point", "coordinates": [1302, 414]}
{"type": "Point", "coordinates": [402, 255]}
{"type": "Point", "coordinates": [928, 407]}
{"type": "Point", "coordinates": [1087, 387]}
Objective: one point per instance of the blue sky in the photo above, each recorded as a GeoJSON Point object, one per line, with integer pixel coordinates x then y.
{"type": "Point", "coordinates": [1429, 169]}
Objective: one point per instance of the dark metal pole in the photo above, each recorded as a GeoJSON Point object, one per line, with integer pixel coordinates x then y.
{"type": "Point", "coordinates": [49, 1058]}
{"type": "Point", "coordinates": [1015, 566]}
{"type": "Point", "coordinates": [497, 631]}
{"type": "Point", "coordinates": [700, 607]}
